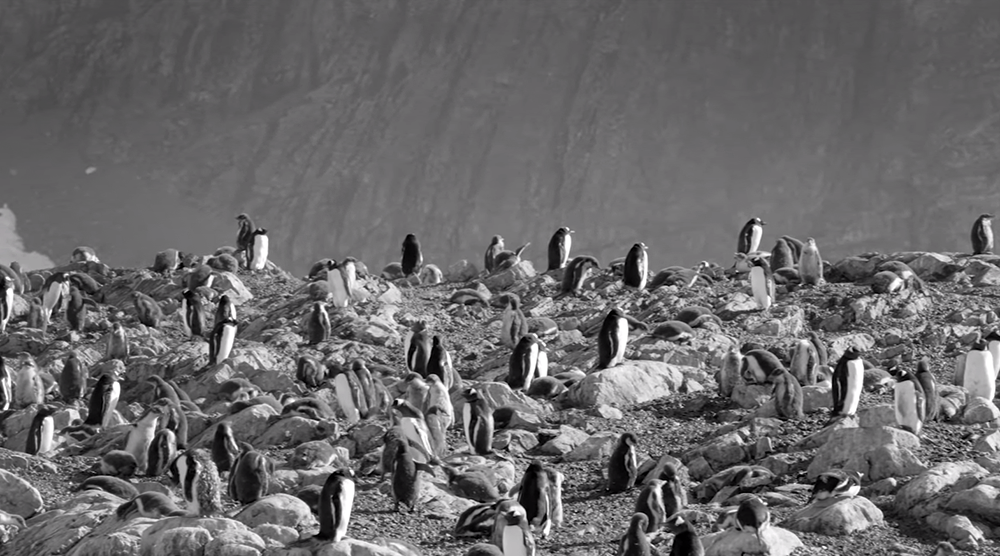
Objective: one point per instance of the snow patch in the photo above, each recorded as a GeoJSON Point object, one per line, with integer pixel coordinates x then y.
{"type": "Point", "coordinates": [12, 246]}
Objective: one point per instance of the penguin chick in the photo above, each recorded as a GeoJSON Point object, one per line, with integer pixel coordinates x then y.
{"type": "Point", "coordinates": [471, 484]}
{"type": "Point", "coordinates": [405, 480]}
{"type": "Point", "coordinates": [118, 463]}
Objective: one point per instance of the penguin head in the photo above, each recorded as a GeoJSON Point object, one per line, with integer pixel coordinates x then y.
{"type": "Point", "coordinates": [810, 242]}
{"type": "Point", "coordinates": [616, 313]}
{"type": "Point", "coordinates": [497, 240]}
{"type": "Point", "coordinates": [343, 473]}
{"type": "Point", "coordinates": [994, 335]}
{"type": "Point", "coordinates": [242, 217]}
{"type": "Point", "coordinates": [757, 221]}
{"type": "Point", "coordinates": [980, 345]}
{"type": "Point", "coordinates": [565, 230]}
{"type": "Point", "coordinates": [629, 439]}
{"type": "Point", "coordinates": [471, 395]}
{"type": "Point", "coordinates": [986, 217]}
{"type": "Point", "coordinates": [852, 353]}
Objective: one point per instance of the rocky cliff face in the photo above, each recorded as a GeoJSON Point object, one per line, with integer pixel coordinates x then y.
{"type": "Point", "coordinates": [342, 126]}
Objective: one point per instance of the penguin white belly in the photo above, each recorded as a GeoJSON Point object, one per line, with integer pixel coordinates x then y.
{"type": "Point", "coordinates": [338, 289]}
{"type": "Point", "coordinates": [226, 342]}
{"type": "Point", "coordinates": [755, 233]}
{"type": "Point", "coordinates": [994, 348]}
{"type": "Point", "coordinates": [7, 389]}
{"type": "Point", "coordinates": [906, 406]}
{"type": "Point", "coordinates": [513, 541]}
{"type": "Point", "coordinates": [979, 380]}
{"type": "Point", "coordinates": [643, 271]}
{"type": "Point", "coordinates": [529, 372]}
{"type": "Point", "coordinates": [542, 369]}
{"type": "Point", "coordinates": [109, 411]}
{"type": "Point", "coordinates": [758, 284]}
{"type": "Point", "coordinates": [347, 498]}
{"type": "Point", "coordinates": [183, 314]}
{"type": "Point", "coordinates": [48, 430]}
{"type": "Point", "coordinates": [346, 400]}
{"type": "Point", "coordinates": [506, 334]}
{"type": "Point", "coordinates": [467, 425]}
{"type": "Point", "coordinates": [50, 299]}
{"type": "Point", "coordinates": [895, 285]}
{"type": "Point", "coordinates": [407, 341]}
{"type": "Point", "coordinates": [350, 278]}
{"type": "Point", "coordinates": [259, 252]}
{"type": "Point", "coordinates": [855, 383]}
{"type": "Point", "coordinates": [568, 242]}
{"type": "Point", "coordinates": [619, 354]}
{"type": "Point", "coordinates": [416, 434]}
{"type": "Point", "coordinates": [449, 371]}
{"type": "Point", "coordinates": [8, 308]}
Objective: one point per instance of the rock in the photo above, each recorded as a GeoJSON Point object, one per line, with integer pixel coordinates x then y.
{"type": "Point", "coordinates": [980, 410]}
{"type": "Point", "coordinates": [780, 542]}
{"type": "Point", "coordinates": [853, 269]}
{"type": "Point", "coordinates": [61, 527]}
{"type": "Point", "coordinates": [983, 274]}
{"type": "Point", "coordinates": [739, 304]}
{"type": "Point", "coordinates": [607, 412]}
{"type": "Point", "coordinates": [276, 534]}
{"type": "Point", "coordinates": [567, 439]}
{"type": "Point", "coordinates": [504, 279]}
{"type": "Point", "coordinates": [749, 396]}
{"type": "Point", "coordinates": [346, 547]}
{"type": "Point", "coordinates": [627, 384]}
{"type": "Point", "coordinates": [172, 536]}
{"type": "Point", "coordinates": [835, 516]}
{"type": "Point", "coordinates": [250, 423]}
{"type": "Point", "coordinates": [462, 271]}
{"type": "Point", "coordinates": [838, 346]}
{"type": "Point", "coordinates": [595, 448]}
{"type": "Point", "coordinates": [517, 442]}
{"type": "Point", "coordinates": [959, 529]}
{"type": "Point", "coordinates": [877, 416]}
{"type": "Point", "coordinates": [870, 308]}
{"type": "Point", "coordinates": [231, 285]}
{"type": "Point", "coordinates": [290, 431]}
{"type": "Point", "coordinates": [278, 509]}
{"type": "Point", "coordinates": [377, 332]}
{"type": "Point", "coordinates": [18, 496]}
{"type": "Point", "coordinates": [864, 450]}
{"type": "Point", "coordinates": [916, 498]}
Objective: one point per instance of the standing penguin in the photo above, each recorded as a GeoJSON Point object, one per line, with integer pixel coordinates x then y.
{"type": "Point", "coordinates": [162, 451]}
{"type": "Point", "coordinates": [650, 503]}
{"type": "Point", "coordinates": [405, 480]}
{"type": "Point", "coordinates": [194, 313]}
{"type": "Point", "coordinates": [319, 324]}
{"type": "Point", "coordinates": [993, 345]}
{"type": "Point", "coordinates": [29, 389]}
{"type": "Point", "coordinates": [979, 377]}
{"type": "Point", "coordinates": [103, 401]}
{"type": "Point", "coordinates": [309, 371]}
{"type": "Point", "coordinates": [349, 394]}
{"type": "Point", "coordinates": [761, 282]}
{"type": "Point", "coordinates": [6, 387]}
{"type": "Point", "coordinates": [927, 383]}
{"type": "Point", "coordinates": [72, 380]}
{"type": "Point", "coordinates": [636, 270]}
{"type": "Point", "coordinates": [42, 431]}
{"type": "Point", "coordinates": [811, 264]}
{"type": "Point", "coordinates": [848, 381]}
{"type": "Point", "coordinates": [225, 309]}
{"type": "Point", "coordinates": [244, 238]}
{"type": "Point", "coordinates": [686, 540]}
{"type": "Point", "coordinates": [251, 476]}
{"type": "Point", "coordinates": [439, 363]}
{"type": "Point", "coordinates": [749, 240]}
{"type": "Point", "coordinates": [496, 247]}
{"type": "Point", "coordinates": [729, 372]}
{"type": "Point", "coordinates": [804, 362]}
{"type": "Point", "coordinates": [440, 415]}
{"type": "Point", "coordinates": [417, 347]}
{"type": "Point", "coordinates": [511, 531]}
{"type": "Point", "coordinates": [635, 542]}
{"type": "Point", "coordinates": [76, 310]}
{"type": "Point", "coordinates": [612, 339]}
{"type": "Point", "coordinates": [623, 467]}
{"type": "Point", "coordinates": [221, 343]}
{"type": "Point", "coordinates": [140, 437]}
{"type": "Point", "coordinates": [369, 387]}
{"type": "Point", "coordinates": [787, 395]}
{"type": "Point", "coordinates": [6, 301]}
{"type": "Point", "coordinates": [335, 504]}
{"type": "Point", "coordinates": [342, 281]}
{"type": "Point", "coordinates": [909, 402]}
{"type": "Point", "coordinates": [524, 364]}
{"type": "Point", "coordinates": [225, 450]}
{"type": "Point", "coordinates": [147, 310]}
{"type": "Point", "coordinates": [117, 343]}
{"type": "Point", "coordinates": [198, 478]}
{"type": "Point", "coordinates": [53, 291]}
{"type": "Point", "coordinates": [982, 235]}
{"type": "Point", "coordinates": [533, 496]}
{"type": "Point", "coordinates": [515, 324]}
{"type": "Point", "coordinates": [559, 247]}
{"type": "Point", "coordinates": [413, 259]}
{"type": "Point", "coordinates": [477, 423]}
{"type": "Point", "coordinates": [754, 514]}
{"type": "Point", "coordinates": [576, 272]}
{"type": "Point", "coordinates": [258, 250]}
{"type": "Point", "coordinates": [781, 256]}
{"type": "Point", "coordinates": [412, 423]}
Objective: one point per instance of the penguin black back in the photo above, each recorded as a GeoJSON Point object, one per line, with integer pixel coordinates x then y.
{"type": "Point", "coordinates": [559, 247]}
{"type": "Point", "coordinates": [534, 494]}
{"type": "Point", "coordinates": [194, 313]}
{"type": "Point", "coordinates": [405, 481]}
{"type": "Point", "coordinates": [686, 540]}
{"type": "Point", "coordinates": [335, 504]}
{"type": "Point", "coordinates": [926, 379]}
{"type": "Point", "coordinates": [623, 466]}
{"type": "Point", "coordinates": [982, 235]}
{"type": "Point", "coordinates": [413, 259]}
{"type": "Point", "coordinates": [750, 235]}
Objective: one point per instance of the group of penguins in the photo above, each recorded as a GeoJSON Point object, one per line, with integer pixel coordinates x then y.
{"type": "Point", "coordinates": [419, 406]}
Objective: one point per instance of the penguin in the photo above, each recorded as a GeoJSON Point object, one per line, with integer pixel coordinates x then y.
{"type": "Point", "coordinates": [761, 282]}
{"type": "Point", "coordinates": [650, 503]}
{"type": "Point", "coordinates": [909, 401]}
{"type": "Point", "coordinates": [523, 363]}
{"type": "Point", "coordinates": [309, 371]}
{"type": "Point", "coordinates": [103, 401]}
{"type": "Point", "coordinates": [166, 261]}
{"type": "Point", "coordinates": [430, 275]}
{"type": "Point", "coordinates": [729, 372]}
{"type": "Point", "coordinates": [198, 479]}
{"type": "Point", "coordinates": [848, 381]}
{"type": "Point", "coordinates": [6, 386]}
{"type": "Point", "coordinates": [36, 314]}
{"type": "Point", "coordinates": [804, 362]}
{"type": "Point", "coordinates": [982, 235]}
{"type": "Point", "coordinates": [533, 496]}
{"type": "Point", "coordinates": [478, 520]}
{"type": "Point", "coordinates": [54, 289]}
{"type": "Point", "coordinates": [781, 256]}
{"type": "Point", "coordinates": [72, 380]}
{"type": "Point", "coordinates": [559, 248]}
{"type": "Point", "coordinates": [83, 282]}
{"type": "Point", "coordinates": [117, 344]}
{"type": "Point", "coordinates": [811, 264]}
{"type": "Point", "coordinates": [84, 254]}
{"type": "Point", "coordinates": [686, 540]}
{"type": "Point", "coordinates": [758, 365]}
{"type": "Point", "coordinates": [112, 485]}
{"type": "Point", "coordinates": [225, 450]}
{"type": "Point", "coordinates": [29, 389]}
{"type": "Point", "coordinates": [636, 267]}
{"type": "Point", "coordinates": [6, 302]}
{"type": "Point", "coordinates": [821, 353]}
{"type": "Point", "coordinates": [477, 423]}
{"type": "Point", "coordinates": [369, 387]}
{"type": "Point", "coordinates": [412, 423]}
{"type": "Point", "coordinates": [42, 431]}
{"type": "Point", "coordinates": [412, 259]}
{"type": "Point", "coordinates": [162, 451]}
{"type": "Point", "coordinates": [335, 504]}
{"type": "Point", "coordinates": [979, 378]}
{"type": "Point", "coordinates": [438, 401]}
{"type": "Point", "coordinates": [21, 283]}
{"type": "Point", "coordinates": [140, 437]}
{"type": "Point", "coordinates": [674, 331]}
{"type": "Point", "coordinates": [506, 259]}
{"type": "Point", "coordinates": [149, 504]}
{"type": "Point", "coordinates": [515, 324]}
{"type": "Point", "coordinates": [439, 363]}
{"type": "Point", "coordinates": [251, 476]}
{"type": "Point", "coordinates": [244, 238]}
{"type": "Point", "coordinates": [418, 349]}
{"type": "Point", "coordinates": [118, 463]}
{"type": "Point", "coordinates": [576, 272]}
{"type": "Point", "coordinates": [749, 240]}
{"type": "Point", "coordinates": [483, 549]}
{"type": "Point", "coordinates": [612, 340]}
{"type": "Point", "coordinates": [993, 345]}
{"type": "Point", "coordinates": [635, 542]}
{"type": "Point", "coordinates": [754, 514]}
{"type": "Point", "coordinates": [417, 391]}
{"type": "Point", "coordinates": [221, 342]}
{"type": "Point", "coordinates": [225, 309]}
{"type": "Point", "coordinates": [319, 324]}
{"type": "Point", "coordinates": [405, 480]}
{"type": "Point", "coordinates": [147, 310]}
{"type": "Point", "coordinates": [927, 383]}
{"type": "Point", "coordinates": [12, 277]}
{"type": "Point", "coordinates": [623, 467]}
{"type": "Point", "coordinates": [836, 483]}
{"type": "Point", "coordinates": [342, 280]}
{"type": "Point", "coordinates": [511, 531]}
{"type": "Point", "coordinates": [193, 313]}
{"type": "Point", "coordinates": [76, 310]}
{"type": "Point", "coordinates": [258, 250]}
{"type": "Point", "coordinates": [556, 480]}
{"type": "Point", "coordinates": [175, 418]}
{"type": "Point", "coordinates": [788, 397]}
{"type": "Point", "coordinates": [496, 247]}
{"type": "Point", "coordinates": [349, 395]}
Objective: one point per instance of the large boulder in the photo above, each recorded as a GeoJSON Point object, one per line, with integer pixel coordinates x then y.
{"type": "Point", "coordinates": [627, 384]}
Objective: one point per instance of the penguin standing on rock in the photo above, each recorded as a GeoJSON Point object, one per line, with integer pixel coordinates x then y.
{"type": "Point", "coordinates": [72, 380]}
{"type": "Point", "coordinates": [686, 540]}
{"type": "Point", "coordinates": [405, 480]}
{"type": "Point", "coordinates": [244, 238]}
{"type": "Point", "coordinates": [29, 388]}
{"type": "Point", "coordinates": [781, 256]}
{"type": "Point", "coordinates": [342, 281]}
{"type": "Point", "coordinates": [848, 381]}
{"type": "Point", "coordinates": [53, 291]}
{"type": "Point", "coordinates": [249, 479]}
{"type": "Point", "coordinates": [413, 259]}
{"type": "Point", "coordinates": [575, 273]}
{"type": "Point", "coordinates": [319, 324]}
{"type": "Point", "coordinates": [559, 248]}
{"type": "Point", "coordinates": [117, 343]}
{"type": "Point", "coordinates": [979, 378]}
{"type": "Point", "coordinates": [526, 363]}
{"type": "Point", "coordinates": [612, 339]}
{"type": "Point", "coordinates": [103, 401]}
{"type": "Point", "coordinates": [752, 513]}
{"type": "Point", "coordinates": [418, 349]}
{"type": "Point", "coordinates": [6, 301]}
{"type": "Point", "coordinates": [650, 503]}
{"type": "Point", "coordinates": [636, 270]}
{"type": "Point", "coordinates": [335, 504]}
{"type": "Point", "coordinates": [533, 496]}
{"type": "Point", "coordinates": [811, 264]}
{"type": "Point", "coordinates": [511, 531]}
{"type": "Point", "coordinates": [635, 542]}
{"type": "Point", "coordinates": [761, 282]}
{"type": "Point", "coordinates": [194, 313]}
{"type": "Point", "coordinates": [6, 387]}
{"type": "Point", "coordinates": [162, 451]}
{"type": "Point", "coordinates": [258, 250]}
{"type": "Point", "coordinates": [225, 450]}
{"type": "Point", "coordinates": [926, 379]}
{"type": "Point", "coordinates": [909, 401]}
{"type": "Point", "coordinates": [496, 247]}
{"type": "Point", "coordinates": [515, 324]}
{"type": "Point", "coordinates": [225, 309]}
{"type": "Point", "coordinates": [477, 422]}
{"type": "Point", "coordinates": [147, 310]}
{"type": "Point", "coordinates": [729, 372]}
{"type": "Point", "coordinates": [982, 235]}
{"type": "Point", "coordinates": [623, 467]}
{"type": "Point", "coordinates": [788, 397]}
{"type": "Point", "coordinates": [749, 240]}
{"type": "Point", "coordinates": [41, 433]}
{"type": "Point", "coordinates": [221, 342]}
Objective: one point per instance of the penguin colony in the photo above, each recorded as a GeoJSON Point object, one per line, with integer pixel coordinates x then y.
{"type": "Point", "coordinates": [419, 406]}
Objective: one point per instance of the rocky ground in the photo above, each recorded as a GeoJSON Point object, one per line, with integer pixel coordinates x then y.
{"type": "Point", "coordinates": [683, 416]}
